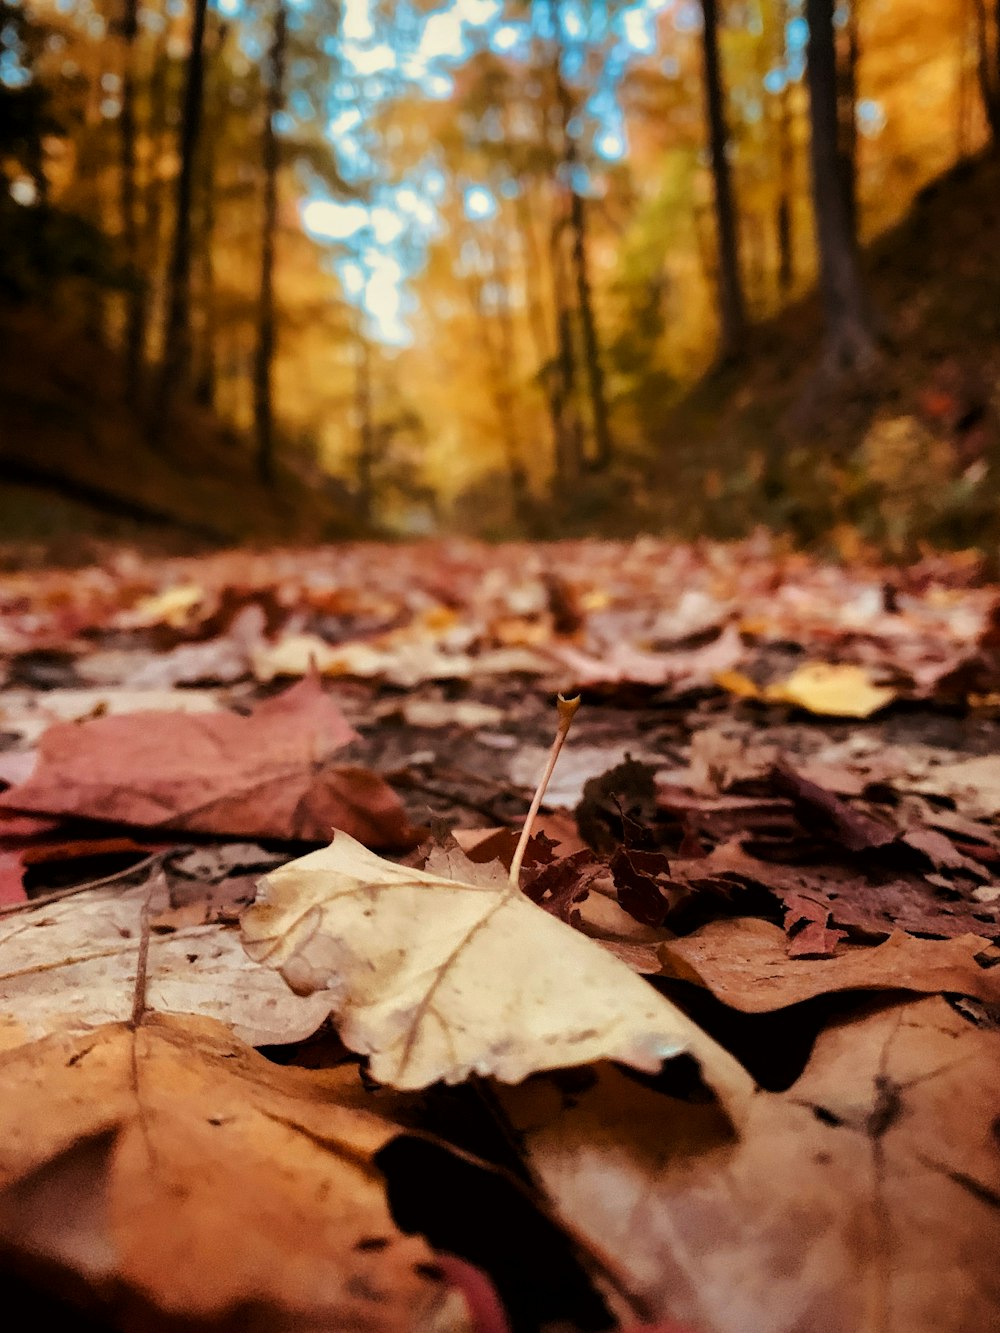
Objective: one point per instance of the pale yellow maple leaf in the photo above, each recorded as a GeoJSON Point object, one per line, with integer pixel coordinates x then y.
{"type": "Point", "coordinates": [436, 978]}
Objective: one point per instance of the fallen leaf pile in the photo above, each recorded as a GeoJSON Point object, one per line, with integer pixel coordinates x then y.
{"type": "Point", "coordinates": [724, 1060]}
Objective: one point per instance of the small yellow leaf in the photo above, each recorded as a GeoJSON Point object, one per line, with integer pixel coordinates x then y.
{"type": "Point", "coordinates": [735, 682]}
{"type": "Point", "coordinates": [835, 690]}
{"type": "Point", "coordinates": [826, 688]}
{"type": "Point", "coordinates": [175, 606]}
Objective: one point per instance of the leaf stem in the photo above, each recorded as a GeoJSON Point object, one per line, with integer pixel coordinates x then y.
{"type": "Point", "coordinates": [567, 711]}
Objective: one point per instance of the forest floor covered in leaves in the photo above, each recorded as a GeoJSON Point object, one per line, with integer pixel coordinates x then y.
{"type": "Point", "coordinates": [723, 1060]}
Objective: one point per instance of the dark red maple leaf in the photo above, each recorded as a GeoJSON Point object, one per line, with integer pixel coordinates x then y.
{"type": "Point", "coordinates": [645, 889]}
{"type": "Point", "coordinates": [560, 886]}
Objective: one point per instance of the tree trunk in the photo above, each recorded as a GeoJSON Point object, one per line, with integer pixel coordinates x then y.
{"type": "Point", "coordinates": [531, 270]}
{"type": "Point", "coordinates": [217, 104]}
{"type": "Point", "coordinates": [850, 336]}
{"type": "Point", "coordinates": [786, 194]}
{"type": "Point", "coordinates": [135, 300]}
{"type": "Point", "coordinates": [780, 118]}
{"type": "Point", "coordinates": [988, 67]}
{"type": "Point", "coordinates": [570, 463]}
{"type": "Point", "coordinates": [732, 303]}
{"type": "Point", "coordinates": [580, 260]}
{"type": "Point", "coordinates": [847, 99]}
{"type": "Point", "coordinates": [500, 357]}
{"type": "Point", "coordinates": [92, 204]}
{"type": "Point", "coordinates": [263, 371]}
{"type": "Point", "coordinates": [155, 189]}
{"type": "Point", "coordinates": [206, 377]}
{"type": "Point", "coordinates": [520, 491]}
{"type": "Point", "coordinates": [175, 365]}
{"type": "Point", "coordinates": [365, 421]}
{"type": "Point", "coordinates": [603, 445]}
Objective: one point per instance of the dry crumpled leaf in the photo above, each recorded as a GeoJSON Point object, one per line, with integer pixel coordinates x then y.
{"type": "Point", "coordinates": [224, 658]}
{"type": "Point", "coordinates": [974, 784]}
{"type": "Point", "coordinates": [179, 1176]}
{"type": "Point", "coordinates": [681, 668]}
{"type": "Point", "coordinates": [436, 977]}
{"type": "Point", "coordinates": [29, 714]}
{"type": "Point", "coordinates": [823, 812]}
{"type": "Point", "coordinates": [866, 900]}
{"type": "Point", "coordinates": [863, 1200]}
{"type": "Point", "coordinates": [829, 689]}
{"type": "Point", "coordinates": [173, 606]}
{"type": "Point", "coordinates": [404, 661]}
{"type": "Point", "coordinates": [744, 962]}
{"type": "Point", "coordinates": [70, 966]}
{"type": "Point", "coordinates": [267, 775]}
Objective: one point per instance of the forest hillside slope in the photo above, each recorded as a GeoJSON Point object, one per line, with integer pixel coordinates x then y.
{"type": "Point", "coordinates": [77, 460]}
{"type": "Point", "coordinates": [912, 454]}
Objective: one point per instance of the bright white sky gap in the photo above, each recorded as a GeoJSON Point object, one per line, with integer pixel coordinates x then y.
{"type": "Point", "coordinates": [376, 246]}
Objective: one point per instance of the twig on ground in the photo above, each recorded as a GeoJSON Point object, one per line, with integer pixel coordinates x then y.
{"type": "Point", "coordinates": [148, 863]}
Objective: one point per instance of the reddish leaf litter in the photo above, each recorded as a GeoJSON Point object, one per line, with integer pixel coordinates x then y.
{"type": "Point", "coordinates": [779, 803]}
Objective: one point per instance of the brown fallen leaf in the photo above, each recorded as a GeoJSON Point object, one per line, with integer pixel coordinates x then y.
{"type": "Point", "coordinates": [403, 660]}
{"type": "Point", "coordinates": [807, 926]}
{"type": "Point", "coordinates": [70, 966]}
{"type": "Point", "coordinates": [868, 902]}
{"type": "Point", "coordinates": [683, 669]}
{"type": "Point", "coordinates": [863, 1200]}
{"type": "Point", "coordinates": [173, 1174]}
{"type": "Point", "coordinates": [269, 775]}
{"type": "Point", "coordinates": [822, 811]}
{"type": "Point", "coordinates": [433, 977]}
{"type": "Point", "coordinates": [974, 784]}
{"type": "Point", "coordinates": [744, 962]}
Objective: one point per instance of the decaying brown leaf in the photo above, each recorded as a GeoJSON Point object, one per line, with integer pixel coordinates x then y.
{"type": "Point", "coordinates": [271, 774]}
{"type": "Point", "coordinates": [866, 1199]}
{"type": "Point", "coordinates": [867, 900]}
{"type": "Point", "coordinates": [744, 962]}
{"type": "Point", "coordinates": [437, 978]}
{"type": "Point", "coordinates": [179, 1178]}
{"type": "Point", "coordinates": [682, 668]}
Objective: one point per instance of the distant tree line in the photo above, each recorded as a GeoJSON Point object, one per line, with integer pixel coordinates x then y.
{"type": "Point", "coordinates": [153, 157]}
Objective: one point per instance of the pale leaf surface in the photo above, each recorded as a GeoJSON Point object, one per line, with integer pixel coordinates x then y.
{"type": "Point", "coordinates": [433, 978]}
{"type": "Point", "coordinates": [68, 967]}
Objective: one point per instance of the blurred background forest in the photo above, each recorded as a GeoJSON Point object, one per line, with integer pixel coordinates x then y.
{"type": "Point", "coordinates": [309, 268]}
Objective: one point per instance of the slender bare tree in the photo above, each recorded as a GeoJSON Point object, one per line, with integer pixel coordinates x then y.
{"type": "Point", "coordinates": [135, 300]}
{"type": "Point", "coordinates": [732, 302]}
{"type": "Point", "coordinates": [175, 363]}
{"type": "Point", "coordinates": [988, 66]}
{"type": "Point", "coordinates": [850, 332]}
{"type": "Point", "coordinates": [263, 369]}
{"type": "Point", "coordinates": [578, 227]}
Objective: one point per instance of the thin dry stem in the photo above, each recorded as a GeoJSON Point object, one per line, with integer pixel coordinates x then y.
{"type": "Point", "coordinates": [567, 711]}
